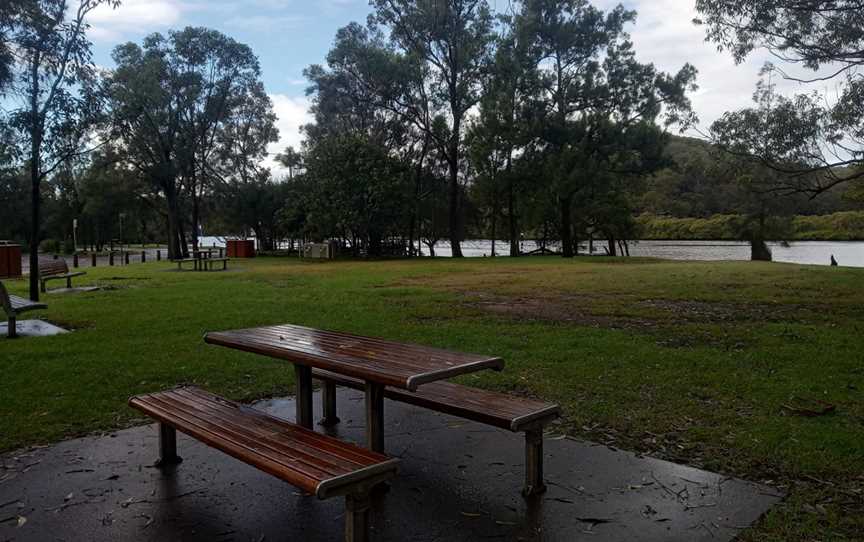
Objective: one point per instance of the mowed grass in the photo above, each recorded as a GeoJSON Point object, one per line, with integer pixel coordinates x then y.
{"type": "Point", "coordinates": [711, 364]}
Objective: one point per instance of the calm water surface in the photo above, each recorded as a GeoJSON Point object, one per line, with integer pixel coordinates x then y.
{"type": "Point", "coordinates": [803, 252]}
{"type": "Point", "coordinates": [849, 253]}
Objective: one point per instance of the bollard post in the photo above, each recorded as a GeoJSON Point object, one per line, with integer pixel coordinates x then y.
{"type": "Point", "coordinates": [125, 258]}
{"type": "Point", "coordinates": [143, 256]}
{"type": "Point", "coordinates": [93, 260]}
{"type": "Point", "coordinates": [158, 255]}
{"type": "Point", "coordinates": [75, 260]}
{"type": "Point", "coordinates": [111, 258]}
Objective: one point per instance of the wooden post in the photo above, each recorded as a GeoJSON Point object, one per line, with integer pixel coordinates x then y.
{"type": "Point", "coordinates": [303, 399]}
{"type": "Point", "coordinates": [110, 258]}
{"type": "Point", "coordinates": [357, 518]}
{"type": "Point", "coordinates": [167, 446]}
{"type": "Point", "coordinates": [55, 256]}
{"type": "Point", "coordinates": [375, 417]}
{"type": "Point", "coordinates": [75, 260]}
{"type": "Point", "coordinates": [125, 258]}
{"type": "Point", "coordinates": [93, 260]}
{"type": "Point", "coordinates": [143, 256]}
{"type": "Point", "coordinates": [534, 484]}
{"type": "Point", "coordinates": [158, 255]}
{"type": "Point", "coordinates": [12, 332]}
{"type": "Point", "coordinates": [328, 401]}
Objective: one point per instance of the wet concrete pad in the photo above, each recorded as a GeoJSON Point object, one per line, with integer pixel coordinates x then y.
{"type": "Point", "coordinates": [32, 328]}
{"type": "Point", "coordinates": [78, 290]}
{"type": "Point", "coordinates": [459, 481]}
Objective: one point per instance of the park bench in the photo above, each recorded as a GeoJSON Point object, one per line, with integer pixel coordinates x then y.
{"type": "Point", "coordinates": [13, 306]}
{"type": "Point", "coordinates": [516, 414]}
{"type": "Point", "coordinates": [56, 270]}
{"type": "Point", "coordinates": [317, 464]}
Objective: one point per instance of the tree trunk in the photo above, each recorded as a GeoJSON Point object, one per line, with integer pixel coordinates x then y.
{"type": "Point", "coordinates": [174, 249]}
{"type": "Point", "coordinates": [511, 211]}
{"type": "Point", "coordinates": [612, 250]}
{"type": "Point", "coordinates": [566, 226]}
{"type": "Point", "coordinates": [35, 176]}
{"type": "Point", "coordinates": [455, 240]}
{"type": "Point", "coordinates": [759, 251]}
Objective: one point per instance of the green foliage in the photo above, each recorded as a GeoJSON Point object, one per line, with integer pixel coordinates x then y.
{"type": "Point", "coordinates": [806, 133]}
{"type": "Point", "coordinates": [842, 226]}
{"type": "Point", "coordinates": [190, 110]}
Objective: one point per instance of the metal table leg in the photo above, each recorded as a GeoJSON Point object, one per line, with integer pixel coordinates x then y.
{"type": "Point", "coordinates": [303, 400]}
{"type": "Point", "coordinates": [375, 417]}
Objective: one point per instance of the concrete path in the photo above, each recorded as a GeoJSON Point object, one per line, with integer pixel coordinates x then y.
{"type": "Point", "coordinates": [459, 481]}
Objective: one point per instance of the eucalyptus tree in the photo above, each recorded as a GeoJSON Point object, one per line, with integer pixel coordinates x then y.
{"type": "Point", "coordinates": [177, 104]}
{"type": "Point", "coordinates": [813, 142]}
{"type": "Point", "coordinates": [355, 150]}
{"type": "Point", "coordinates": [53, 81]}
{"type": "Point", "coordinates": [454, 40]}
{"type": "Point", "coordinates": [598, 99]}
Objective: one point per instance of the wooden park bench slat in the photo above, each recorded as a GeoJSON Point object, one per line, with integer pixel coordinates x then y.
{"type": "Point", "coordinates": [484, 406]}
{"type": "Point", "coordinates": [317, 464]}
{"type": "Point", "coordinates": [56, 270]}
{"type": "Point", "coordinates": [517, 414]}
{"type": "Point", "coordinates": [13, 306]}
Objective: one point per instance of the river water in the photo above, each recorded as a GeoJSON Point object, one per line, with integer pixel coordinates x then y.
{"type": "Point", "coordinates": [847, 253]}
{"type": "Point", "coordinates": [803, 252]}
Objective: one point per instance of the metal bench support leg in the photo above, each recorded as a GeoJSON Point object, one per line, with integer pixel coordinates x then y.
{"type": "Point", "coordinates": [534, 484]}
{"type": "Point", "coordinates": [328, 401]}
{"type": "Point", "coordinates": [375, 417]}
{"type": "Point", "coordinates": [357, 518]}
{"type": "Point", "coordinates": [12, 332]}
{"type": "Point", "coordinates": [303, 400]}
{"type": "Point", "coordinates": [167, 446]}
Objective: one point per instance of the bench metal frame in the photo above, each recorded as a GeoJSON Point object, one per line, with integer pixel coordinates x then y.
{"type": "Point", "coordinates": [532, 425]}
{"type": "Point", "coordinates": [13, 306]}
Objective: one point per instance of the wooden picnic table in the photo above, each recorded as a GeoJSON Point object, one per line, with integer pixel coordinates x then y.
{"type": "Point", "coordinates": [377, 362]}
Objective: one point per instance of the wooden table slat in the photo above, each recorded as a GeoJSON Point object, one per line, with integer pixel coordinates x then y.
{"type": "Point", "coordinates": [371, 359]}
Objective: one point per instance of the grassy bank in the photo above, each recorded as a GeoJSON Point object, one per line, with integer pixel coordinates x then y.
{"type": "Point", "coordinates": [844, 226]}
{"type": "Point", "coordinates": [712, 364]}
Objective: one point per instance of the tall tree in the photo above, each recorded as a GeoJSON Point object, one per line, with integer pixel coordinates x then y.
{"type": "Point", "coordinates": [595, 93]}
{"type": "Point", "coordinates": [454, 39]}
{"type": "Point", "coordinates": [498, 131]}
{"type": "Point", "coordinates": [181, 107]}
{"type": "Point", "coordinates": [814, 143]}
{"type": "Point", "coordinates": [54, 78]}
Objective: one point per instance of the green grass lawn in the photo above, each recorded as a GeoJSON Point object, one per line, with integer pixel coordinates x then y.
{"type": "Point", "coordinates": [709, 364]}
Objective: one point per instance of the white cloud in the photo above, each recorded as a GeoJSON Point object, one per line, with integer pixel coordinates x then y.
{"type": "Point", "coordinates": [664, 34]}
{"type": "Point", "coordinates": [133, 17]}
{"type": "Point", "coordinates": [292, 112]}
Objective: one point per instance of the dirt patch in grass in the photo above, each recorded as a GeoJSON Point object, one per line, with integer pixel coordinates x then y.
{"type": "Point", "coordinates": [621, 313]}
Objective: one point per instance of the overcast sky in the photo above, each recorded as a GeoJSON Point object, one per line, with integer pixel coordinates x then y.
{"type": "Point", "coordinates": [288, 35]}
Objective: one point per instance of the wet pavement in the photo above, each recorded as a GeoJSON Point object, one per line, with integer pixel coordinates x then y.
{"type": "Point", "coordinates": [459, 481]}
{"type": "Point", "coordinates": [31, 328]}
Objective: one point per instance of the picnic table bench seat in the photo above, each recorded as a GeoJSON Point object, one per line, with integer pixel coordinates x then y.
{"type": "Point", "coordinates": [56, 270]}
{"type": "Point", "coordinates": [517, 414]}
{"type": "Point", "coordinates": [208, 262]}
{"type": "Point", "coordinates": [317, 464]}
{"type": "Point", "coordinates": [13, 306]}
